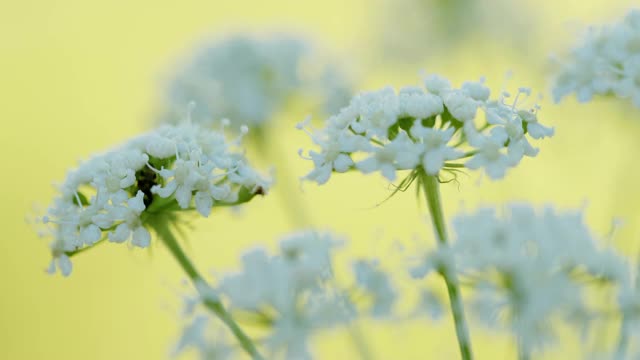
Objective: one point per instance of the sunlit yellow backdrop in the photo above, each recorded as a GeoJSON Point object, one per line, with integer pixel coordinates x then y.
{"type": "Point", "coordinates": [78, 76]}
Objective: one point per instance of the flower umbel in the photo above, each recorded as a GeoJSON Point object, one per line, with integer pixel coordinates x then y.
{"type": "Point", "coordinates": [434, 129]}
{"type": "Point", "coordinates": [290, 291]}
{"type": "Point", "coordinates": [605, 62]}
{"type": "Point", "coordinates": [527, 269]}
{"type": "Point", "coordinates": [249, 79]}
{"type": "Point", "coordinates": [293, 295]}
{"type": "Point", "coordinates": [116, 195]}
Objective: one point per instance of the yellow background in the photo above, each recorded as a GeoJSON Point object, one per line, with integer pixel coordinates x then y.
{"type": "Point", "coordinates": [78, 76]}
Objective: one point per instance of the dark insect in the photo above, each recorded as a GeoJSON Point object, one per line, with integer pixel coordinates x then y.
{"type": "Point", "coordinates": [259, 191]}
{"type": "Point", "coordinates": [146, 179]}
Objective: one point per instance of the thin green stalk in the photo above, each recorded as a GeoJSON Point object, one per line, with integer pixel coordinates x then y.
{"type": "Point", "coordinates": [623, 342]}
{"type": "Point", "coordinates": [523, 352]}
{"type": "Point", "coordinates": [431, 188]}
{"type": "Point", "coordinates": [271, 152]}
{"type": "Point", "coordinates": [215, 306]}
{"type": "Point", "coordinates": [360, 342]}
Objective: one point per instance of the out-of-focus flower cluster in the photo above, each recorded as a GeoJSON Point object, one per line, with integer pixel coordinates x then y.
{"type": "Point", "coordinates": [295, 295]}
{"type": "Point", "coordinates": [411, 30]}
{"type": "Point", "coordinates": [387, 131]}
{"type": "Point", "coordinates": [605, 62]}
{"type": "Point", "coordinates": [528, 269]}
{"type": "Point", "coordinates": [250, 79]}
{"type": "Point", "coordinates": [114, 194]}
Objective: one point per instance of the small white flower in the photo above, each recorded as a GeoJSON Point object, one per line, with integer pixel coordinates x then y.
{"type": "Point", "coordinates": [535, 129]}
{"type": "Point", "coordinates": [336, 147]}
{"type": "Point", "coordinates": [477, 90]}
{"type": "Point", "coordinates": [491, 156]}
{"type": "Point", "coordinates": [462, 106]}
{"type": "Point", "coordinates": [437, 148]}
{"type": "Point", "coordinates": [401, 153]}
{"type": "Point", "coordinates": [377, 111]}
{"type": "Point", "coordinates": [437, 84]}
{"type": "Point", "coordinates": [414, 102]}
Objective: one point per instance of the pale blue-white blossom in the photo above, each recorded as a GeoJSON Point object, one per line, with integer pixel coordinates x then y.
{"type": "Point", "coordinates": [605, 61]}
{"type": "Point", "coordinates": [114, 195]}
{"type": "Point", "coordinates": [434, 129]}
{"type": "Point", "coordinates": [292, 291]}
{"type": "Point", "coordinates": [527, 269]}
{"type": "Point", "coordinates": [250, 79]}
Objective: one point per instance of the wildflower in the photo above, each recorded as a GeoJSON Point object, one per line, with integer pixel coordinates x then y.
{"type": "Point", "coordinates": [290, 291]}
{"type": "Point", "coordinates": [249, 79]}
{"type": "Point", "coordinates": [294, 295]}
{"type": "Point", "coordinates": [606, 61]}
{"type": "Point", "coordinates": [527, 269]}
{"type": "Point", "coordinates": [117, 195]}
{"type": "Point", "coordinates": [384, 131]}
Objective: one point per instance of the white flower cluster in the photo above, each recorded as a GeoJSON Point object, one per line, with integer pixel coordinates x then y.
{"type": "Point", "coordinates": [387, 131]}
{"type": "Point", "coordinates": [295, 295]}
{"type": "Point", "coordinates": [249, 80]}
{"type": "Point", "coordinates": [445, 25]}
{"type": "Point", "coordinates": [527, 269]}
{"type": "Point", "coordinates": [169, 169]}
{"type": "Point", "coordinates": [605, 62]}
{"type": "Point", "coordinates": [291, 290]}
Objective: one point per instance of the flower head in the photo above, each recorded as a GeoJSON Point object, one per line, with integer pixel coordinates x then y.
{"type": "Point", "coordinates": [117, 194]}
{"type": "Point", "coordinates": [295, 295]}
{"type": "Point", "coordinates": [527, 269]}
{"type": "Point", "coordinates": [402, 25]}
{"type": "Point", "coordinates": [290, 291]}
{"type": "Point", "coordinates": [605, 62]}
{"type": "Point", "coordinates": [249, 80]}
{"type": "Point", "coordinates": [388, 131]}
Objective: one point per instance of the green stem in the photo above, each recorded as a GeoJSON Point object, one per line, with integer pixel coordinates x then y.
{"type": "Point", "coordinates": [523, 353]}
{"type": "Point", "coordinates": [431, 188]}
{"type": "Point", "coordinates": [167, 237]}
{"type": "Point", "coordinates": [623, 342]}
{"type": "Point", "coordinates": [360, 342]}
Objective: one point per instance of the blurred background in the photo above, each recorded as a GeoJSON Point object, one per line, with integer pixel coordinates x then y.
{"type": "Point", "coordinates": [78, 77]}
